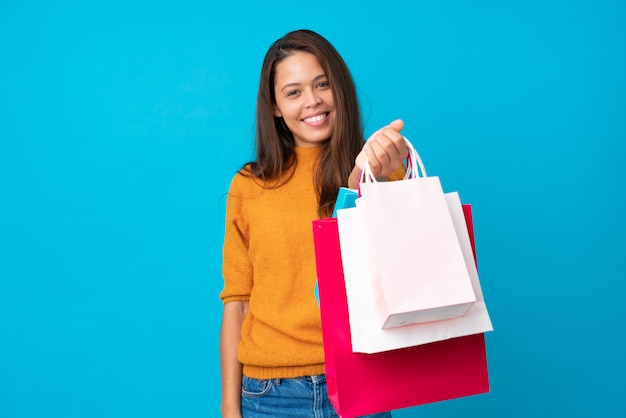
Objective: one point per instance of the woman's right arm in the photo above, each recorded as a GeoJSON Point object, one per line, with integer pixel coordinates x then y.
{"type": "Point", "coordinates": [230, 335]}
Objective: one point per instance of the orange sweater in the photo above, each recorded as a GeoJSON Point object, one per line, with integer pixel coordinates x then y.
{"type": "Point", "coordinates": [269, 260]}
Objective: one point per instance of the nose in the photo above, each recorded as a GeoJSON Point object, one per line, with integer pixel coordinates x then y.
{"type": "Point", "coordinates": [313, 98]}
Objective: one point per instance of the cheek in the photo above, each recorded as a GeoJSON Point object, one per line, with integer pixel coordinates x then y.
{"type": "Point", "coordinates": [277, 106]}
{"type": "Point", "coordinates": [330, 98]}
{"type": "Point", "coordinates": [289, 111]}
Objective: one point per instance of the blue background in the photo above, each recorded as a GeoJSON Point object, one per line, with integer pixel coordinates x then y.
{"type": "Point", "coordinates": [121, 125]}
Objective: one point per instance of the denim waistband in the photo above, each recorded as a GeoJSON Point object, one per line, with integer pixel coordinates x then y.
{"type": "Point", "coordinates": [313, 379]}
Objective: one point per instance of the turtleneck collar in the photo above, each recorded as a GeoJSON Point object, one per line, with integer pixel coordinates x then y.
{"type": "Point", "coordinates": [307, 153]}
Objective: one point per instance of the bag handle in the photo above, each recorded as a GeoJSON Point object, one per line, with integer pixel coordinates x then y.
{"type": "Point", "coordinates": [414, 166]}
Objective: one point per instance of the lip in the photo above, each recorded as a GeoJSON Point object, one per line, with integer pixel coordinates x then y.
{"type": "Point", "coordinates": [318, 118]}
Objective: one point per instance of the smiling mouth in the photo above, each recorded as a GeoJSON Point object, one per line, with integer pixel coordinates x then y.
{"type": "Point", "coordinates": [316, 118]}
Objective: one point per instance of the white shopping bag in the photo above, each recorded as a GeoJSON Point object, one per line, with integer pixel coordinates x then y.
{"type": "Point", "coordinates": [411, 247]}
{"type": "Point", "coordinates": [362, 294]}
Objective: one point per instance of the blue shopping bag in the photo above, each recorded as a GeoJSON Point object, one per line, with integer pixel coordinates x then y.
{"type": "Point", "coordinates": [346, 198]}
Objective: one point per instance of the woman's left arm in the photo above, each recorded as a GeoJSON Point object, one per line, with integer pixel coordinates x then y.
{"type": "Point", "coordinates": [385, 150]}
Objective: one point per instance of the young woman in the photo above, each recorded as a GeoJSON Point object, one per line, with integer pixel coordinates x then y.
{"type": "Point", "coordinates": [309, 142]}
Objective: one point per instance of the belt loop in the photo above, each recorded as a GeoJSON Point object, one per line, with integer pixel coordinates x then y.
{"type": "Point", "coordinates": [318, 378]}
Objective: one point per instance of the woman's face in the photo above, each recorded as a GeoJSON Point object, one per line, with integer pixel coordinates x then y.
{"type": "Point", "coordinates": [304, 99]}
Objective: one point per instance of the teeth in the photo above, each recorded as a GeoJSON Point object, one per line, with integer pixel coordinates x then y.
{"type": "Point", "coordinates": [315, 118]}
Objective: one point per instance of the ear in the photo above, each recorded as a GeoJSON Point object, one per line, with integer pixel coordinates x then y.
{"type": "Point", "coordinates": [277, 112]}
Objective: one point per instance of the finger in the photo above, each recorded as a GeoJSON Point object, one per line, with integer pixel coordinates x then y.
{"type": "Point", "coordinates": [379, 150]}
{"type": "Point", "coordinates": [397, 125]}
{"type": "Point", "coordinates": [372, 136]}
{"type": "Point", "coordinates": [383, 160]}
{"type": "Point", "coordinates": [385, 149]}
{"type": "Point", "coordinates": [393, 141]}
{"type": "Point", "coordinates": [371, 153]}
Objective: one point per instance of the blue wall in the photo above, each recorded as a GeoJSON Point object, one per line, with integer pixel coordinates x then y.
{"type": "Point", "coordinates": [122, 124]}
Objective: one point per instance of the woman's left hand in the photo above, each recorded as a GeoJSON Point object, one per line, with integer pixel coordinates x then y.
{"type": "Point", "coordinates": [385, 151]}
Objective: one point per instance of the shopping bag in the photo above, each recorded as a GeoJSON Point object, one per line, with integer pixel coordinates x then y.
{"type": "Point", "coordinates": [361, 291]}
{"type": "Point", "coordinates": [409, 247]}
{"type": "Point", "coordinates": [361, 384]}
{"type": "Point", "coordinates": [346, 198]}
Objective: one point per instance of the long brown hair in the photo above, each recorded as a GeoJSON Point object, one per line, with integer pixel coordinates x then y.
{"type": "Point", "coordinates": [274, 141]}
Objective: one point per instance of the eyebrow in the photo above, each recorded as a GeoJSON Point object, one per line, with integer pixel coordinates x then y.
{"type": "Point", "coordinates": [319, 77]}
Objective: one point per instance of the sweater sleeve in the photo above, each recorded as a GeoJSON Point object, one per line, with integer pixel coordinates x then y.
{"type": "Point", "coordinates": [397, 175]}
{"type": "Point", "coordinates": [236, 266]}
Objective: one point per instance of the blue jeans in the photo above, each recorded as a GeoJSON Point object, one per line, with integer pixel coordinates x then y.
{"type": "Point", "coordinates": [300, 397]}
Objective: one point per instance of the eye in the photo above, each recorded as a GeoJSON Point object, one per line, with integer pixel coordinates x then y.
{"type": "Point", "coordinates": [323, 84]}
{"type": "Point", "coordinates": [292, 93]}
